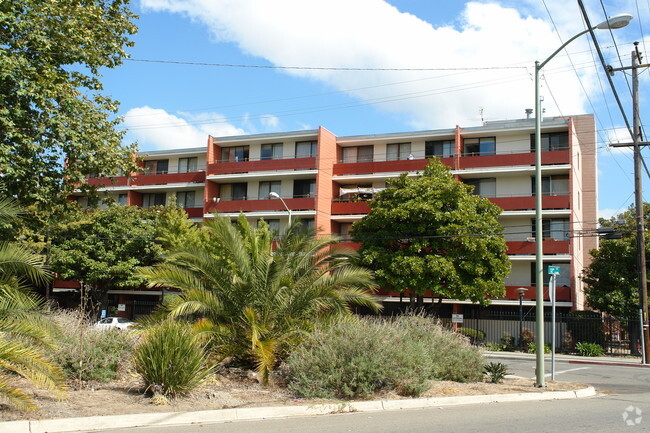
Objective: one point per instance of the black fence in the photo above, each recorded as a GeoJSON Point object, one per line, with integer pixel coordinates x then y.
{"type": "Point", "coordinates": [134, 308]}
{"type": "Point", "coordinates": [510, 331]}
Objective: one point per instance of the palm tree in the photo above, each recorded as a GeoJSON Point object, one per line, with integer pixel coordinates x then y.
{"type": "Point", "coordinates": [26, 333]}
{"type": "Point", "coordinates": [255, 301]}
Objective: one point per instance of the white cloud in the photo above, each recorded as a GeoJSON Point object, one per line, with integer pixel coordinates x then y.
{"type": "Point", "coordinates": [608, 213]}
{"type": "Point", "coordinates": [154, 128]}
{"type": "Point", "coordinates": [270, 122]}
{"type": "Point", "coordinates": [373, 33]}
{"type": "Point", "coordinates": [617, 135]}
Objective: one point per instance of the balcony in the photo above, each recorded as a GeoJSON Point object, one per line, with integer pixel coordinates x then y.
{"type": "Point", "coordinates": [550, 246]}
{"type": "Point", "coordinates": [107, 181]}
{"type": "Point", "coordinates": [528, 202]}
{"type": "Point", "coordinates": [194, 212]}
{"type": "Point", "coordinates": [256, 205]}
{"type": "Point", "coordinates": [229, 167]}
{"type": "Point", "coordinates": [350, 207]}
{"type": "Point", "coordinates": [165, 178]}
{"type": "Point", "coordinates": [513, 159]}
{"type": "Point", "coordinates": [563, 293]}
{"type": "Point", "coordinates": [398, 166]}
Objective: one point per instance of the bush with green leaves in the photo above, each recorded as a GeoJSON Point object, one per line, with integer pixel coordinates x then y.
{"type": "Point", "coordinates": [527, 336]}
{"type": "Point", "coordinates": [496, 371]}
{"type": "Point", "coordinates": [171, 359]}
{"type": "Point", "coordinates": [532, 348]}
{"type": "Point", "coordinates": [476, 336]}
{"type": "Point", "coordinates": [494, 347]}
{"type": "Point", "coordinates": [358, 358]}
{"type": "Point", "coordinates": [508, 342]}
{"type": "Point", "coordinates": [86, 353]}
{"type": "Point", "coordinates": [589, 349]}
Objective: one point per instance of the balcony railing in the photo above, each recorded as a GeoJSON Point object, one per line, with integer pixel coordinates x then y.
{"type": "Point", "coordinates": [551, 246]}
{"type": "Point", "coordinates": [514, 158]}
{"type": "Point", "coordinates": [256, 205]}
{"type": "Point", "coordinates": [349, 207]}
{"type": "Point", "coordinates": [519, 202]}
{"type": "Point", "coordinates": [233, 167]}
{"type": "Point", "coordinates": [164, 178]}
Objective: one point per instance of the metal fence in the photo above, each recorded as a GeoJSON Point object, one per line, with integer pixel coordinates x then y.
{"type": "Point", "coordinates": [512, 331]}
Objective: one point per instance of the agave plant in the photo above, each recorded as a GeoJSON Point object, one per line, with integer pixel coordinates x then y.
{"type": "Point", "coordinates": [26, 333]}
{"type": "Point", "coordinates": [255, 300]}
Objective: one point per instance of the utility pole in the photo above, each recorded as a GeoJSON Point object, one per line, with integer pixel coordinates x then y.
{"type": "Point", "coordinates": [638, 200]}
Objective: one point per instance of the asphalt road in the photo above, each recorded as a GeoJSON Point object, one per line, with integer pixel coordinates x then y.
{"type": "Point", "coordinates": [625, 390]}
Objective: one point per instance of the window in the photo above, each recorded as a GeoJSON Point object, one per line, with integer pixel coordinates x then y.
{"type": "Point", "coordinates": [551, 141]}
{"type": "Point", "coordinates": [271, 151]}
{"type": "Point", "coordinates": [185, 199]}
{"type": "Point", "coordinates": [344, 229]}
{"type": "Point", "coordinates": [398, 151]}
{"type": "Point", "coordinates": [441, 149]}
{"type": "Point", "coordinates": [564, 279]}
{"type": "Point", "coordinates": [306, 149]}
{"type": "Point", "coordinates": [486, 187]}
{"type": "Point", "coordinates": [358, 154]}
{"type": "Point", "coordinates": [238, 191]}
{"type": "Point", "coordinates": [156, 199]}
{"type": "Point", "coordinates": [268, 187]}
{"type": "Point", "coordinates": [187, 165]}
{"type": "Point", "coordinates": [156, 166]}
{"type": "Point", "coordinates": [122, 199]}
{"type": "Point", "coordinates": [554, 228]}
{"type": "Point", "coordinates": [307, 224]}
{"type": "Point", "coordinates": [479, 146]}
{"type": "Point", "coordinates": [553, 185]}
{"type": "Point", "coordinates": [304, 188]}
{"type": "Point", "coordinates": [234, 154]}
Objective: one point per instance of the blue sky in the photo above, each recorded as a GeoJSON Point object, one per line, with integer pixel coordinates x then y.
{"type": "Point", "coordinates": [168, 105]}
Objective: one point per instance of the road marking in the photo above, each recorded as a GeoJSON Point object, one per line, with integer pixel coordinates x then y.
{"type": "Point", "coordinates": [564, 371]}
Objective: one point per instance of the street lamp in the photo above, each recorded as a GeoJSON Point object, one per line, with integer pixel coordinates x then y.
{"type": "Point", "coordinates": [521, 291]}
{"type": "Point", "coordinates": [615, 22]}
{"type": "Point", "coordinates": [274, 194]}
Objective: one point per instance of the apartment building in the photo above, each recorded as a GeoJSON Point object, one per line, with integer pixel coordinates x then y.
{"type": "Point", "coordinates": [326, 181]}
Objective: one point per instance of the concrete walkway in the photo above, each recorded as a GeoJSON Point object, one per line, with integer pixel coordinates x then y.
{"type": "Point", "coordinates": [573, 359]}
{"type": "Point", "coordinates": [229, 415]}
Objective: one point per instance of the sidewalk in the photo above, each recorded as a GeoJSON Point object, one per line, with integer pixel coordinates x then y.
{"type": "Point", "coordinates": [251, 413]}
{"type": "Point", "coordinates": [573, 359]}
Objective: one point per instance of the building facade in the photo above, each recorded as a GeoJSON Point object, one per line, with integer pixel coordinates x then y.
{"type": "Point", "coordinates": [326, 181]}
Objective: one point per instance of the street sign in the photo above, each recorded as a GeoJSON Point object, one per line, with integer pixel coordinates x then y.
{"type": "Point", "coordinates": [456, 318]}
{"type": "Point", "coordinates": [554, 270]}
{"type": "Point", "coordinates": [121, 307]}
{"type": "Point", "coordinates": [103, 313]}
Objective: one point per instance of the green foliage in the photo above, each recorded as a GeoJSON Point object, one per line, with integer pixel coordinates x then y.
{"type": "Point", "coordinates": [171, 359]}
{"type": "Point", "coordinates": [507, 342]}
{"type": "Point", "coordinates": [527, 336]}
{"type": "Point", "coordinates": [494, 347]}
{"type": "Point", "coordinates": [56, 127]}
{"type": "Point", "coordinates": [254, 302]}
{"type": "Point", "coordinates": [586, 326]}
{"type": "Point", "coordinates": [496, 371]}
{"type": "Point", "coordinates": [532, 348]}
{"type": "Point", "coordinates": [86, 353]}
{"type": "Point", "coordinates": [175, 230]}
{"type": "Point", "coordinates": [476, 336]}
{"type": "Point", "coordinates": [612, 278]}
{"type": "Point", "coordinates": [358, 358]}
{"type": "Point", "coordinates": [589, 349]}
{"type": "Point", "coordinates": [415, 238]}
{"type": "Point", "coordinates": [105, 248]}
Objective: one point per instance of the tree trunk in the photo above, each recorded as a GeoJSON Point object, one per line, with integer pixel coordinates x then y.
{"type": "Point", "coordinates": [420, 302]}
{"type": "Point", "coordinates": [411, 301]}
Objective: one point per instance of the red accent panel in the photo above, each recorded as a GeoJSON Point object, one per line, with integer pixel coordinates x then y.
{"type": "Point", "coordinates": [107, 181]}
{"type": "Point", "coordinates": [550, 247]}
{"type": "Point", "coordinates": [522, 203]}
{"type": "Point", "coordinates": [160, 179]}
{"type": "Point", "coordinates": [262, 205]}
{"type": "Point", "coordinates": [345, 208]}
{"type": "Point", "coordinates": [553, 157]}
{"type": "Point", "coordinates": [266, 165]}
{"type": "Point", "coordinates": [563, 293]}
{"type": "Point", "coordinates": [385, 166]}
{"type": "Point", "coordinates": [65, 284]}
{"type": "Point", "coordinates": [194, 212]}
{"type": "Point", "coordinates": [352, 245]}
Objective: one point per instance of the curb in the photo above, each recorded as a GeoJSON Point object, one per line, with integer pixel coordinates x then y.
{"type": "Point", "coordinates": [621, 364]}
{"type": "Point", "coordinates": [257, 413]}
{"type": "Point", "coordinates": [567, 358]}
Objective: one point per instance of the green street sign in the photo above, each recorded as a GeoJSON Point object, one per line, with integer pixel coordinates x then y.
{"type": "Point", "coordinates": [554, 270]}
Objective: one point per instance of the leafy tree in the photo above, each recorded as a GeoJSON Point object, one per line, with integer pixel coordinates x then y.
{"type": "Point", "coordinates": [56, 128]}
{"type": "Point", "coordinates": [254, 301]}
{"type": "Point", "coordinates": [26, 333]}
{"type": "Point", "coordinates": [431, 233]}
{"type": "Point", "coordinates": [105, 248]}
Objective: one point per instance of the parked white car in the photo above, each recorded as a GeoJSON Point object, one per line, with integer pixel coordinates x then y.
{"type": "Point", "coordinates": [113, 323]}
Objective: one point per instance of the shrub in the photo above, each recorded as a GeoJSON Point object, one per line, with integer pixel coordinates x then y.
{"type": "Point", "coordinates": [357, 358]}
{"type": "Point", "coordinates": [171, 360]}
{"type": "Point", "coordinates": [494, 347]}
{"type": "Point", "coordinates": [508, 342]}
{"type": "Point", "coordinates": [527, 336]}
{"type": "Point", "coordinates": [532, 348]}
{"type": "Point", "coordinates": [86, 353]}
{"type": "Point", "coordinates": [589, 349]}
{"type": "Point", "coordinates": [475, 335]}
{"type": "Point", "coordinates": [496, 370]}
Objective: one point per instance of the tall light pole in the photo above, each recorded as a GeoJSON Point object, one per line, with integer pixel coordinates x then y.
{"type": "Point", "coordinates": [614, 22]}
{"type": "Point", "coordinates": [276, 195]}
